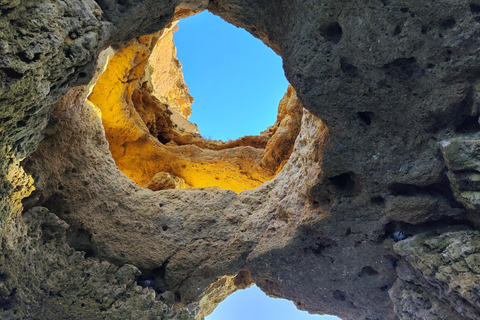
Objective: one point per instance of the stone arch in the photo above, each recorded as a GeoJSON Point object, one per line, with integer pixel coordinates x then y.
{"type": "Point", "coordinates": [153, 143]}
{"type": "Point", "coordinates": [366, 71]}
{"type": "Point", "coordinates": [200, 213]}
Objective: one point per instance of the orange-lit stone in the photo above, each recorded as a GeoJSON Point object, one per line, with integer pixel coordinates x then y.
{"type": "Point", "coordinates": [144, 140]}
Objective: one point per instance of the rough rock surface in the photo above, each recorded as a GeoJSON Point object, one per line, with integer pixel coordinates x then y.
{"type": "Point", "coordinates": [445, 264]}
{"type": "Point", "coordinates": [395, 84]}
{"type": "Point", "coordinates": [44, 278]}
{"type": "Point", "coordinates": [145, 139]}
{"type": "Point", "coordinates": [161, 181]}
{"type": "Point", "coordinates": [167, 79]}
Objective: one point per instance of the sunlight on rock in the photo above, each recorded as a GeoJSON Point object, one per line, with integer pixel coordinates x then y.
{"type": "Point", "coordinates": [144, 103]}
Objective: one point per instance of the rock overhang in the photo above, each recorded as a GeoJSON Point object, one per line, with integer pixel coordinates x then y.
{"type": "Point", "coordinates": [388, 89]}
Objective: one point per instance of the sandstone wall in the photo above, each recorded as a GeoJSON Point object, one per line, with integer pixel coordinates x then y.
{"type": "Point", "coordinates": [388, 142]}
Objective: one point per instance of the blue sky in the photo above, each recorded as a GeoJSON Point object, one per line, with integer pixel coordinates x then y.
{"type": "Point", "coordinates": [237, 83]}
{"type": "Point", "coordinates": [235, 79]}
{"type": "Point", "coordinates": [253, 304]}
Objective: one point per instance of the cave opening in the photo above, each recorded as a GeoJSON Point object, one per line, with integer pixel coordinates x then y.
{"type": "Point", "coordinates": [144, 104]}
{"type": "Point", "coordinates": [235, 79]}
{"type": "Point", "coordinates": [260, 306]}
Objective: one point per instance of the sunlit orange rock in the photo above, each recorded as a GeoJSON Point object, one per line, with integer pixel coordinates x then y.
{"type": "Point", "coordinates": [137, 109]}
{"type": "Point", "coordinates": [167, 78]}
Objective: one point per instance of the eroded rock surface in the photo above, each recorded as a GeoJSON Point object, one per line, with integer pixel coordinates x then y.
{"type": "Point", "coordinates": [146, 137]}
{"type": "Point", "coordinates": [438, 265]}
{"type": "Point", "coordinates": [387, 143]}
{"type": "Point", "coordinates": [167, 78]}
{"type": "Point", "coordinates": [44, 278]}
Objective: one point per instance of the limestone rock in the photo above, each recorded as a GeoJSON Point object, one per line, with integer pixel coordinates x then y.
{"type": "Point", "coordinates": [161, 181]}
{"type": "Point", "coordinates": [450, 265]}
{"type": "Point", "coordinates": [382, 83]}
{"type": "Point", "coordinates": [462, 158]}
{"type": "Point", "coordinates": [44, 278]}
{"type": "Point", "coordinates": [167, 79]}
{"type": "Point", "coordinates": [144, 139]}
{"type": "Point", "coordinates": [420, 208]}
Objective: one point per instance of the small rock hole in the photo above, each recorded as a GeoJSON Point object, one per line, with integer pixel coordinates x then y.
{"type": "Point", "coordinates": [369, 271]}
{"type": "Point", "coordinates": [425, 29]}
{"type": "Point", "coordinates": [10, 73]}
{"type": "Point", "coordinates": [378, 201]}
{"type": "Point", "coordinates": [365, 116]}
{"type": "Point", "coordinates": [430, 66]}
{"type": "Point", "coordinates": [404, 68]}
{"type": "Point", "coordinates": [332, 32]}
{"type": "Point", "coordinates": [82, 75]}
{"type": "Point", "coordinates": [6, 11]}
{"type": "Point", "coordinates": [448, 23]}
{"type": "Point", "coordinates": [73, 35]}
{"type": "Point", "coordinates": [475, 8]}
{"type": "Point", "coordinates": [397, 30]}
{"type": "Point", "coordinates": [447, 53]}
{"type": "Point", "coordinates": [88, 253]}
{"type": "Point", "coordinates": [164, 227]}
{"type": "Point", "coordinates": [339, 295]}
{"type": "Point", "coordinates": [384, 288]}
{"type": "Point", "coordinates": [468, 125]}
{"type": "Point", "coordinates": [343, 182]}
{"type": "Point", "coordinates": [404, 10]}
{"type": "Point", "coordinates": [178, 297]}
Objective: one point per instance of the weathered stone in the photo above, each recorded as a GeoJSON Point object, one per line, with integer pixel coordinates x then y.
{"type": "Point", "coordinates": [449, 265]}
{"type": "Point", "coordinates": [167, 78]}
{"type": "Point", "coordinates": [420, 208]}
{"type": "Point", "coordinates": [44, 278]}
{"type": "Point", "coordinates": [382, 83]}
{"type": "Point", "coordinates": [462, 154]}
{"type": "Point", "coordinates": [161, 181]}
{"type": "Point", "coordinates": [144, 139]}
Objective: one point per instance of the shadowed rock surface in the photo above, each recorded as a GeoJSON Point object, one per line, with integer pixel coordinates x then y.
{"type": "Point", "coordinates": [388, 141]}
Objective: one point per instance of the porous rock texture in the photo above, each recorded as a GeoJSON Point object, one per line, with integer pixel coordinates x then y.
{"type": "Point", "coordinates": [146, 138]}
{"type": "Point", "coordinates": [167, 79]}
{"type": "Point", "coordinates": [388, 141]}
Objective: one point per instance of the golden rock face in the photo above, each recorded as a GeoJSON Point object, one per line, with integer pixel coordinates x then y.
{"type": "Point", "coordinates": [167, 78]}
{"type": "Point", "coordinates": [144, 102]}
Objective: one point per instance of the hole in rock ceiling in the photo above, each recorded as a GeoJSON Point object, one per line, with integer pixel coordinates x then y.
{"type": "Point", "coordinates": [253, 304]}
{"type": "Point", "coordinates": [235, 79]}
{"type": "Point", "coordinates": [144, 104]}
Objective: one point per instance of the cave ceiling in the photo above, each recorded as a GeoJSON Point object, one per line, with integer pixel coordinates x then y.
{"type": "Point", "coordinates": [361, 201]}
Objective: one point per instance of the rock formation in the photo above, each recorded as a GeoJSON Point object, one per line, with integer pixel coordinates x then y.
{"type": "Point", "coordinates": [145, 138]}
{"type": "Point", "coordinates": [167, 78]}
{"type": "Point", "coordinates": [387, 141]}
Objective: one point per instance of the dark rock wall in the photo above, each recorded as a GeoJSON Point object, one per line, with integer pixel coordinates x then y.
{"type": "Point", "coordinates": [395, 83]}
